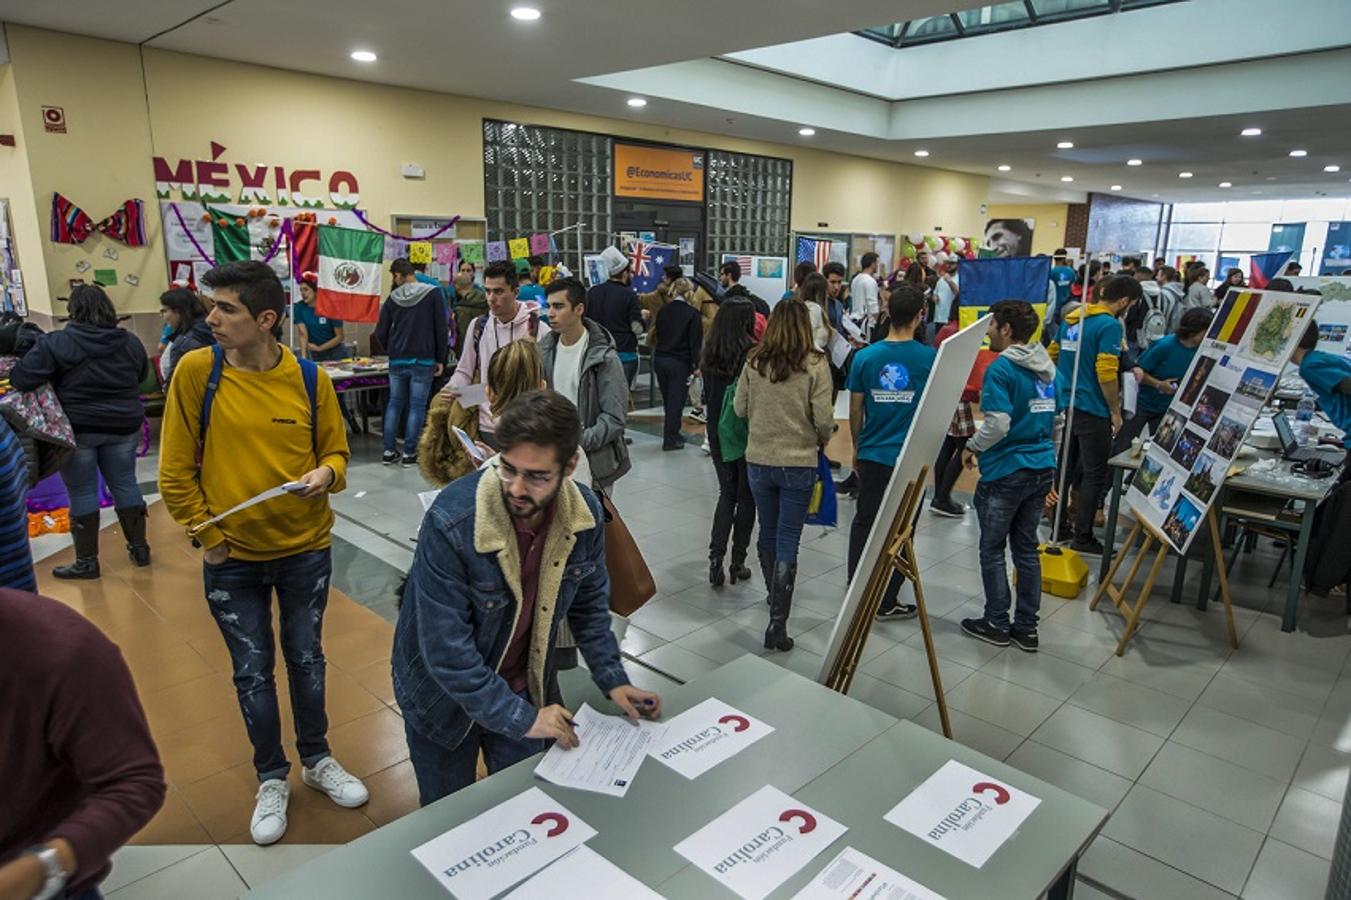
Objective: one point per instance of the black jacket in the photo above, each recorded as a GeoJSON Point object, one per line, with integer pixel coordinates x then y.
{"type": "Point", "coordinates": [414, 323]}
{"type": "Point", "coordinates": [196, 337]}
{"type": "Point", "coordinates": [679, 332]}
{"type": "Point", "coordinates": [737, 290]}
{"type": "Point", "coordinates": [96, 372]}
{"type": "Point", "coordinates": [614, 306]}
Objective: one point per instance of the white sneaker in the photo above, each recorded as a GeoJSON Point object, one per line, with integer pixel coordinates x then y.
{"type": "Point", "coordinates": [269, 816]}
{"type": "Point", "coordinates": [342, 787]}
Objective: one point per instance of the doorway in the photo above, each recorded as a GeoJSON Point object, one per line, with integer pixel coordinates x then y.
{"type": "Point", "coordinates": [669, 223]}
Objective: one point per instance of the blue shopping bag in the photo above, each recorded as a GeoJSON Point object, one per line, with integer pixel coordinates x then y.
{"type": "Point", "coordinates": [824, 507]}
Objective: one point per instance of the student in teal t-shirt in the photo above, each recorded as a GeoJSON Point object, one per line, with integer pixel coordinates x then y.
{"type": "Point", "coordinates": [886, 382]}
{"type": "Point", "coordinates": [1159, 369]}
{"type": "Point", "coordinates": [1329, 377]}
{"type": "Point", "coordinates": [1017, 469]}
{"type": "Point", "coordinates": [319, 337]}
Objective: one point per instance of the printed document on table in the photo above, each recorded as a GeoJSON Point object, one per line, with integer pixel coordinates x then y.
{"type": "Point", "coordinates": [760, 843]}
{"type": "Point", "coordinates": [963, 812]}
{"type": "Point", "coordinates": [503, 846]}
{"type": "Point", "coordinates": [705, 735]}
{"type": "Point", "coordinates": [857, 876]}
{"type": "Point", "coordinates": [611, 750]}
{"type": "Point", "coordinates": [587, 873]}
{"type": "Point", "coordinates": [472, 395]}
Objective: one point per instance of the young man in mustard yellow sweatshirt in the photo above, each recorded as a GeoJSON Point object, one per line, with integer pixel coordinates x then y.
{"type": "Point", "coordinates": [263, 430]}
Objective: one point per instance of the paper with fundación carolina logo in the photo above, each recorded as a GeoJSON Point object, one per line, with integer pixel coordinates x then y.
{"type": "Point", "coordinates": [705, 735]}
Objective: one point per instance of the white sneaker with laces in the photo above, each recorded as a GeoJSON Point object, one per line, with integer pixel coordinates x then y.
{"type": "Point", "coordinates": [342, 787]}
{"type": "Point", "coordinates": [269, 815]}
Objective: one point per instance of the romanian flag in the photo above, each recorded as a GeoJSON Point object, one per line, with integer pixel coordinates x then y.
{"type": "Point", "coordinates": [349, 274]}
{"type": "Point", "coordinates": [1231, 322]}
{"type": "Point", "coordinates": [1265, 266]}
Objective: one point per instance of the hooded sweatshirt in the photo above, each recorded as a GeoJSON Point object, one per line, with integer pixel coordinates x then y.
{"type": "Point", "coordinates": [1018, 401]}
{"type": "Point", "coordinates": [493, 334]}
{"type": "Point", "coordinates": [413, 326]}
{"type": "Point", "coordinates": [1094, 330]}
{"type": "Point", "coordinates": [199, 335]}
{"type": "Point", "coordinates": [96, 372]}
{"type": "Point", "coordinates": [468, 307]}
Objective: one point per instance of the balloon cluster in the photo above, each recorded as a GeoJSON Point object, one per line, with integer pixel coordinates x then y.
{"type": "Point", "coordinates": [940, 248]}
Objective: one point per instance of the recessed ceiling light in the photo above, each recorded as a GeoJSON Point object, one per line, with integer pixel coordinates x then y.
{"type": "Point", "coordinates": [1005, 168]}
{"type": "Point", "coordinates": [1226, 184]}
{"type": "Point", "coordinates": [1298, 153]}
{"type": "Point", "coordinates": [921, 153]}
{"type": "Point", "coordinates": [1135, 162]}
{"type": "Point", "coordinates": [1065, 145]}
{"type": "Point", "coordinates": [1332, 168]}
{"type": "Point", "coordinates": [1184, 174]}
{"type": "Point", "coordinates": [1116, 187]}
{"type": "Point", "coordinates": [1065, 178]}
{"type": "Point", "coordinates": [806, 132]}
{"type": "Point", "coordinates": [363, 56]}
{"type": "Point", "coordinates": [524, 13]}
{"type": "Point", "coordinates": [1251, 132]}
{"type": "Point", "coordinates": [637, 102]}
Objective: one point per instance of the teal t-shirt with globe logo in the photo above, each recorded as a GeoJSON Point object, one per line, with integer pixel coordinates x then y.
{"type": "Point", "coordinates": [891, 376]}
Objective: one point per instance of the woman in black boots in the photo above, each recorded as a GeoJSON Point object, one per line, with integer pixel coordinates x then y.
{"type": "Point", "coordinates": [724, 352]}
{"type": "Point", "coordinates": [96, 369]}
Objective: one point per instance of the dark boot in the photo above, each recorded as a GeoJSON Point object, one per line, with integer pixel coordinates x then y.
{"type": "Point", "coordinates": [84, 530]}
{"type": "Point", "coordinates": [133, 529]}
{"type": "Point", "coordinates": [766, 569]}
{"type": "Point", "coordinates": [716, 577]}
{"type": "Point", "coordinates": [738, 571]}
{"type": "Point", "coordinates": [780, 603]}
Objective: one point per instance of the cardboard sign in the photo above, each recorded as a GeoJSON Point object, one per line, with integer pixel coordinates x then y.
{"type": "Point", "coordinates": [963, 812]}
{"type": "Point", "coordinates": [760, 843]}
{"type": "Point", "coordinates": [705, 735]}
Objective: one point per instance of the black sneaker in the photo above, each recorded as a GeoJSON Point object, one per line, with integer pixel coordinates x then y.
{"type": "Point", "coordinates": [897, 611]}
{"type": "Point", "coordinates": [675, 446]}
{"type": "Point", "coordinates": [389, 457]}
{"type": "Point", "coordinates": [982, 630]}
{"type": "Point", "coordinates": [410, 460]}
{"type": "Point", "coordinates": [947, 508]}
{"type": "Point", "coordinates": [1024, 640]}
{"type": "Point", "coordinates": [1090, 547]}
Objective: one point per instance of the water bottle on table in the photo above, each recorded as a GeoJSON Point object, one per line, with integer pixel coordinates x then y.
{"type": "Point", "coordinates": [1304, 428]}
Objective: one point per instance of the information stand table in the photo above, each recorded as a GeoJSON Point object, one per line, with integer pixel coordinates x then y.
{"type": "Point", "coordinates": [841, 757]}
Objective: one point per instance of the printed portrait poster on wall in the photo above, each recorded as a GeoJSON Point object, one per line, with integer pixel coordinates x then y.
{"type": "Point", "coordinates": [1006, 238]}
{"type": "Point", "coordinates": [1230, 379]}
{"type": "Point", "coordinates": [659, 173]}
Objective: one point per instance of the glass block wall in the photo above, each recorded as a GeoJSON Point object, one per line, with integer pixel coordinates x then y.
{"type": "Point", "coordinates": [749, 201]}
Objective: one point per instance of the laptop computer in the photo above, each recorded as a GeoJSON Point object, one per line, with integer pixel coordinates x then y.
{"type": "Point", "coordinates": [1291, 449]}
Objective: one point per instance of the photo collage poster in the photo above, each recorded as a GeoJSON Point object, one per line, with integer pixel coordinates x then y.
{"type": "Point", "coordinates": [1231, 378]}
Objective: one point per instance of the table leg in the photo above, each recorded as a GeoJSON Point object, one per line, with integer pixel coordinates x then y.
{"type": "Point", "coordinates": [1063, 889]}
{"type": "Point", "coordinates": [1109, 535]}
{"type": "Point", "coordinates": [1297, 572]}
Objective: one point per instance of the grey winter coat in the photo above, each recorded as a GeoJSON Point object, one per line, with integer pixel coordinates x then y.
{"type": "Point", "coordinates": [602, 402]}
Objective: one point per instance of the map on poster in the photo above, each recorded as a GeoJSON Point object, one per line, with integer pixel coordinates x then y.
{"type": "Point", "coordinates": [1231, 378]}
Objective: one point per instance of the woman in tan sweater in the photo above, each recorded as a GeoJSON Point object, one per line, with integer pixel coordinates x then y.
{"type": "Point", "coordinates": [784, 392]}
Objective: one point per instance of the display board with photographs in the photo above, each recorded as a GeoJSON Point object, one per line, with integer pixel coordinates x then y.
{"type": "Point", "coordinates": [1231, 378]}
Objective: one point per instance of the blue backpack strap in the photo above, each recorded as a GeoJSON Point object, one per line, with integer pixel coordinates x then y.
{"type": "Point", "coordinates": [309, 373]}
{"type": "Point", "coordinates": [209, 397]}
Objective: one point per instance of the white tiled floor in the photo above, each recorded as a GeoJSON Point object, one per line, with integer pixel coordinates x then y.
{"type": "Point", "coordinates": [1224, 770]}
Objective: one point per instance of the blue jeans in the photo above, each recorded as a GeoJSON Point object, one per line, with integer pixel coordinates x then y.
{"type": "Point", "coordinates": [1010, 510]}
{"type": "Point", "coordinates": [239, 593]}
{"type": "Point", "coordinates": [781, 496]}
{"type": "Point", "coordinates": [410, 387]}
{"type": "Point", "coordinates": [441, 771]}
{"type": "Point", "coordinates": [112, 454]}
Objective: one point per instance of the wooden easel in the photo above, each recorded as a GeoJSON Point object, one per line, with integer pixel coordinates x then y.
{"type": "Point", "coordinates": [1151, 541]}
{"type": "Point", "coordinates": [898, 556]}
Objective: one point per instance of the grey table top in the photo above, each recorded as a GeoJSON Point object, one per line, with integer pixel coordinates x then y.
{"type": "Point", "coordinates": [1314, 491]}
{"type": "Point", "coordinates": [848, 760]}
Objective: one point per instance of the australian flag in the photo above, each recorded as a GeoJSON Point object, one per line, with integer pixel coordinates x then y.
{"type": "Point", "coordinates": [647, 263]}
{"type": "Point", "coordinates": [1263, 267]}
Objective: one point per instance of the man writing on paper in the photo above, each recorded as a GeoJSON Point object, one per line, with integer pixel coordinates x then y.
{"type": "Point", "coordinates": [505, 555]}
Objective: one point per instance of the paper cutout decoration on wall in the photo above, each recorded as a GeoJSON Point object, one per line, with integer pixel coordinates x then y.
{"type": "Point", "coordinates": [420, 252]}
{"type": "Point", "coordinates": [520, 248]}
{"type": "Point", "coordinates": [395, 248]}
{"type": "Point", "coordinates": [444, 253]}
{"type": "Point", "coordinates": [82, 265]}
{"type": "Point", "coordinates": [131, 280]}
{"type": "Point", "coordinates": [472, 253]}
{"type": "Point", "coordinates": [71, 225]}
{"type": "Point", "coordinates": [539, 244]}
{"type": "Point", "coordinates": [496, 250]}
{"type": "Point", "coordinates": [109, 253]}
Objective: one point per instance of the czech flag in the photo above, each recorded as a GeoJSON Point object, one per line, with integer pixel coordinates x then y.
{"type": "Point", "coordinates": [1265, 266]}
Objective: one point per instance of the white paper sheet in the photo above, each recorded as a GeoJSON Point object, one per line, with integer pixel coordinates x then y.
{"type": "Point", "coordinates": [268, 494]}
{"type": "Point", "coordinates": [842, 405]}
{"type": "Point", "coordinates": [585, 873]}
{"type": "Point", "coordinates": [472, 395]}
{"type": "Point", "coordinates": [857, 876]}
{"type": "Point", "coordinates": [705, 735]}
{"type": "Point", "coordinates": [852, 327]}
{"type": "Point", "coordinates": [839, 349]}
{"type": "Point", "coordinates": [427, 498]}
{"type": "Point", "coordinates": [760, 843]}
{"type": "Point", "coordinates": [503, 846]}
{"type": "Point", "coordinates": [963, 812]}
{"type": "Point", "coordinates": [611, 750]}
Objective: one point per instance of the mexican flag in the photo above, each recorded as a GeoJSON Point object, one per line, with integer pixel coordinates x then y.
{"type": "Point", "coordinates": [349, 273]}
{"type": "Point", "coordinates": [235, 238]}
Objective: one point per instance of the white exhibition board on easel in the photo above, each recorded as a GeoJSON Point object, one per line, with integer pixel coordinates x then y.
{"type": "Point", "coordinates": [1334, 313]}
{"type": "Point", "coordinates": [768, 276]}
{"type": "Point", "coordinates": [944, 389]}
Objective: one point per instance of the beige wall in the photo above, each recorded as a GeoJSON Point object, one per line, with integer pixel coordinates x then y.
{"type": "Point", "coordinates": [1049, 234]}
{"type": "Point", "coordinates": [119, 120]}
{"type": "Point", "coordinates": [16, 187]}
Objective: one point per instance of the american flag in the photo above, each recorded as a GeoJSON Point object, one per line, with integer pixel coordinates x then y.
{"type": "Point", "coordinates": [813, 251]}
{"type": "Point", "coordinates": [746, 268]}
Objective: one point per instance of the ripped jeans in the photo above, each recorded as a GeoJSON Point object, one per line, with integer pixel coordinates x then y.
{"type": "Point", "coordinates": [239, 593]}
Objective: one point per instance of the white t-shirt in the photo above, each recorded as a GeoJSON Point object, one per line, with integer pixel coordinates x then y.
{"type": "Point", "coordinates": [863, 295]}
{"type": "Point", "coordinates": [943, 297]}
{"type": "Point", "coordinates": [568, 366]}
